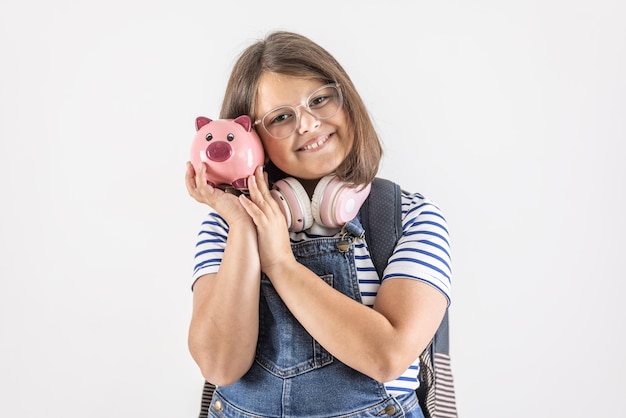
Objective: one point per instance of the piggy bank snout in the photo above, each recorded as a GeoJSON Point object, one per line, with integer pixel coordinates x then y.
{"type": "Point", "coordinates": [219, 151]}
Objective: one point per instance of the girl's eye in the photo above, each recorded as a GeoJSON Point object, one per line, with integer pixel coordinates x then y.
{"type": "Point", "coordinates": [318, 101]}
{"type": "Point", "coordinates": [280, 117]}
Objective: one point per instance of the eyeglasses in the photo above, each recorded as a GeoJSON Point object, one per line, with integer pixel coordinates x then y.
{"type": "Point", "coordinates": [283, 121]}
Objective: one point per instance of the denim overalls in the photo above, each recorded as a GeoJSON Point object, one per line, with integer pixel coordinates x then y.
{"type": "Point", "coordinates": [294, 376]}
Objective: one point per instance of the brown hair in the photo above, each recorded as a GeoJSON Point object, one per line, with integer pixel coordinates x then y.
{"type": "Point", "coordinates": [292, 54]}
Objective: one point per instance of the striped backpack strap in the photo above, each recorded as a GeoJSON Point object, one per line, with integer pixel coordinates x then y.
{"type": "Point", "coordinates": [207, 396]}
{"type": "Point", "coordinates": [436, 392]}
{"type": "Point", "coordinates": [382, 231]}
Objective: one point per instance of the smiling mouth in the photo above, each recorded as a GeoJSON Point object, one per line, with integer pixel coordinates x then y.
{"type": "Point", "coordinates": [321, 141]}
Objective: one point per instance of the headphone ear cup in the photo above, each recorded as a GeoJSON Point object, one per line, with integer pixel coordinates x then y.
{"type": "Point", "coordinates": [321, 200]}
{"type": "Point", "coordinates": [335, 202]}
{"type": "Point", "coordinates": [294, 203]}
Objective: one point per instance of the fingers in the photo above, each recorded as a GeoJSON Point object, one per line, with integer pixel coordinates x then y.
{"type": "Point", "coordinates": [197, 186]}
{"type": "Point", "coordinates": [260, 192]}
{"type": "Point", "coordinates": [260, 204]}
{"type": "Point", "coordinates": [190, 178]}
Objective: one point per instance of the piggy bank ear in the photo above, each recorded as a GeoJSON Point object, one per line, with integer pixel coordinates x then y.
{"type": "Point", "coordinates": [245, 121]}
{"type": "Point", "coordinates": [201, 121]}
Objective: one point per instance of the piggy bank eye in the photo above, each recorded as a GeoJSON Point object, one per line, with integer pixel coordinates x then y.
{"type": "Point", "coordinates": [230, 137]}
{"type": "Point", "coordinates": [209, 136]}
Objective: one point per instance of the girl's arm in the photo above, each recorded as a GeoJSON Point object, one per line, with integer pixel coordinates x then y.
{"type": "Point", "coordinates": [224, 323]}
{"type": "Point", "coordinates": [381, 342]}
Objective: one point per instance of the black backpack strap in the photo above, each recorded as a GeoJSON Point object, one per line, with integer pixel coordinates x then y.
{"type": "Point", "coordinates": [381, 217]}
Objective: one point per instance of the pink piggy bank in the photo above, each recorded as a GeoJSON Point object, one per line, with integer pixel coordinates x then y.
{"type": "Point", "coordinates": [230, 148]}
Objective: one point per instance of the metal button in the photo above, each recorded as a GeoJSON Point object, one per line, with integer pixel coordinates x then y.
{"type": "Point", "coordinates": [390, 410]}
{"type": "Point", "coordinates": [218, 406]}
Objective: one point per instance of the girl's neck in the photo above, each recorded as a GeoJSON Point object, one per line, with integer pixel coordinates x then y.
{"type": "Point", "coordinates": [309, 185]}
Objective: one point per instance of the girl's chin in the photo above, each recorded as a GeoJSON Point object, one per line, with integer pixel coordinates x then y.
{"type": "Point", "coordinates": [311, 167]}
{"type": "Point", "coordinates": [315, 174]}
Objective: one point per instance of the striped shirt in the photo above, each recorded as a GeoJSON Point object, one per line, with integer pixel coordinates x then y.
{"type": "Point", "coordinates": [422, 253]}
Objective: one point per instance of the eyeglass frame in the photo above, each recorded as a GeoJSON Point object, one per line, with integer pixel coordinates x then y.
{"type": "Point", "coordinates": [307, 108]}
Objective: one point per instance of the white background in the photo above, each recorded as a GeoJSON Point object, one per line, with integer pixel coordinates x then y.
{"type": "Point", "coordinates": [509, 114]}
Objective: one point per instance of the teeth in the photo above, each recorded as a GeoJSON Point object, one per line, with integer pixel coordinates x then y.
{"type": "Point", "coordinates": [315, 144]}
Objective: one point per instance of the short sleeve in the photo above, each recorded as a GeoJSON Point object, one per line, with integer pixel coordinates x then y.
{"type": "Point", "coordinates": [210, 245]}
{"type": "Point", "coordinates": [423, 251]}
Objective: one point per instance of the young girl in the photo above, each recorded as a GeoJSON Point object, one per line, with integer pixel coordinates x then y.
{"type": "Point", "coordinates": [284, 323]}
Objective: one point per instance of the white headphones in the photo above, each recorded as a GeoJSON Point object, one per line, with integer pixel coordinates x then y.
{"type": "Point", "coordinates": [334, 202]}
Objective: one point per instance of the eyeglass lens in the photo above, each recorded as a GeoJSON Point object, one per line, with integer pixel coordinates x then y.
{"type": "Point", "coordinates": [322, 103]}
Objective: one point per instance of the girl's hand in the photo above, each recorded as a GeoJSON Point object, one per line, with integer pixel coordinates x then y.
{"type": "Point", "coordinates": [271, 225]}
{"type": "Point", "coordinates": [226, 204]}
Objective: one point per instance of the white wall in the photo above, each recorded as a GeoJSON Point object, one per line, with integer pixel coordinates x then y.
{"type": "Point", "coordinates": [510, 115]}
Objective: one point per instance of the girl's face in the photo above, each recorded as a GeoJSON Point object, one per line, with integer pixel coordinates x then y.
{"type": "Point", "coordinates": [317, 146]}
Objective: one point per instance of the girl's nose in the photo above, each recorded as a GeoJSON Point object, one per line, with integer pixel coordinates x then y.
{"type": "Point", "coordinates": [307, 122]}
